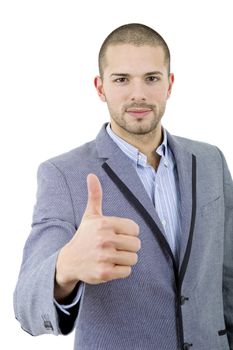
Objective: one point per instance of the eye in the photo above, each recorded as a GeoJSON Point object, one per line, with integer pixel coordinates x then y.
{"type": "Point", "coordinates": [120, 80]}
{"type": "Point", "coordinates": [152, 79]}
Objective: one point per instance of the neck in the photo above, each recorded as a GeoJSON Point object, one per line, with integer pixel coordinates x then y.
{"type": "Point", "coordinates": [146, 143]}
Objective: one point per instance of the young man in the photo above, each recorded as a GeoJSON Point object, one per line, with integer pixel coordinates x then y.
{"type": "Point", "coordinates": [132, 235]}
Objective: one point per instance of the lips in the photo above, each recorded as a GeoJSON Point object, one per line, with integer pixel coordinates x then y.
{"type": "Point", "coordinates": [138, 112]}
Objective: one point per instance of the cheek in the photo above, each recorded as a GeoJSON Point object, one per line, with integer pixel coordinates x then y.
{"type": "Point", "coordinates": [115, 98]}
{"type": "Point", "coordinates": [161, 94]}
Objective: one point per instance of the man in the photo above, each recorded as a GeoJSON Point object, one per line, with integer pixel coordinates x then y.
{"type": "Point", "coordinates": [132, 234]}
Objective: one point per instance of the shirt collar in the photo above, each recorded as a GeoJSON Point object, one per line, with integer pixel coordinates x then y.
{"type": "Point", "coordinates": [134, 154]}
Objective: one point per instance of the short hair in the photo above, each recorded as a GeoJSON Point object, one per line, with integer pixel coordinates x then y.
{"type": "Point", "coordinates": [136, 34]}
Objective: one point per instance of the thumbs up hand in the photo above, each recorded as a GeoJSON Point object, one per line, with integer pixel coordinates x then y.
{"type": "Point", "coordinates": [103, 248]}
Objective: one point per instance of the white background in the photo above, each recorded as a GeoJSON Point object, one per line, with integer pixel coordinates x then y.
{"type": "Point", "coordinates": [48, 104]}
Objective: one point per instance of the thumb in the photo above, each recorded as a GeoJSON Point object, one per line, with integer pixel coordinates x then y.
{"type": "Point", "coordinates": [94, 201]}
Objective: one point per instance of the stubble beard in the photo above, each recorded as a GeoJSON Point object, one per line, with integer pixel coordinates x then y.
{"type": "Point", "coordinates": [140, 126]}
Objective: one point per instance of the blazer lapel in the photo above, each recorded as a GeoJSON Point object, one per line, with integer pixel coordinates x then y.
{"type": "Point", "coordinates": [186, 169]}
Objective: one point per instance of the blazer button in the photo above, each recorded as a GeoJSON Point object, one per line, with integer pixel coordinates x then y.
{"type": "Point", "coordinates": [48, 325]}
{"type": "Point", "coordinates": [183, 299]}
{"type": "Point", "coordinates": [186, 346]}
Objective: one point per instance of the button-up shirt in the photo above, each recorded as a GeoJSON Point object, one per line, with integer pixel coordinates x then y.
{"type": "Point", "coordinates": [161, 185]}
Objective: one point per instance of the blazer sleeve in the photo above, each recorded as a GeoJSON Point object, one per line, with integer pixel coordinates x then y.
{"type": "Point", "coordinates": [53, 225]}
{"type": "Point", "coordinates": [228, 253]}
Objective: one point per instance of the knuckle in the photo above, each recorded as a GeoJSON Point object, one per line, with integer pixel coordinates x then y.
{"type": "Point", "coordinates": [103, 223]}
{"type": "Point", "coordinates": [104, 240]}
{"type": "Point", "coordinates": [100, 241]}
{"type": "Point", "coordinates": [101, 256]}
{"type": "Point", "coordinates": [104, 273]}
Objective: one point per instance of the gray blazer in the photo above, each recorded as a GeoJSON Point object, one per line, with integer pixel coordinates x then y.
{"type": "Point", "coordinates": [162, 305]}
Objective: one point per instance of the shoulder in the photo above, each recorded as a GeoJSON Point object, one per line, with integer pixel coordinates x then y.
{"type": "Point", "coordinates": [199, 148]}
{"type": "Point", "coordinates": [73, 159]}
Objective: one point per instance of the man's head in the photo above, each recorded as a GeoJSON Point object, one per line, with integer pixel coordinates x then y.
{"type": "Point", "coordinates": [135, 34]}
{"type": "Point", "coordinates": [135, 79]}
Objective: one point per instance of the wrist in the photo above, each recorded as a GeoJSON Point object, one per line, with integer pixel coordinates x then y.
{"type": "Point", "coordinates": [63, 284]}
{"type": "Point", "coordinates": [63, 290]}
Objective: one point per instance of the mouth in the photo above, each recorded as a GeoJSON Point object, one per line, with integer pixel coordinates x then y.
{"type": "Point", "coordinates": [138, 112]}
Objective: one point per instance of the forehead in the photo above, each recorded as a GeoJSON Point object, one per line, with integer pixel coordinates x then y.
{"type": "Point", "coordinates": [127, 57]}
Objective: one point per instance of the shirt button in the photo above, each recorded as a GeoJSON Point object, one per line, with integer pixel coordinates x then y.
{"type": "Point", "coordinates": [164, 222]}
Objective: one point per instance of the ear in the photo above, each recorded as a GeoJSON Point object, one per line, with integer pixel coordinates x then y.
{"type": "Point", "coordinates": [171, 81]}
{"type": "Point", "coordinates": [99, 87]}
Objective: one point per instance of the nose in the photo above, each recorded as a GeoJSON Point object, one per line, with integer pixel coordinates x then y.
{"type": "Point", "coordinates": [137, 92]}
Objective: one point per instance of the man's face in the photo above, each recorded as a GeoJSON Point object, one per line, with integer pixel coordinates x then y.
{"type": "Point", "coordinates": [136, 86]}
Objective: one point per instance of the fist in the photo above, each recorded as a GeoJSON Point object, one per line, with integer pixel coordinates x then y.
{"type": "Point", "coordinates": [104, 248]}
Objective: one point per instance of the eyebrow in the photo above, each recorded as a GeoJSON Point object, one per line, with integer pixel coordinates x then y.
{"type": "Point", "coordinates": [154, 73]}
{"type": "Point", "coordinates": [120, 74]}
{"type": "Point", "coordinates": [127, 75]}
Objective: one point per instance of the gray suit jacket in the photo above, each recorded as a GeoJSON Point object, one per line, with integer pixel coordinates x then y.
{"type": "Point", "coordinates": [162, 305]}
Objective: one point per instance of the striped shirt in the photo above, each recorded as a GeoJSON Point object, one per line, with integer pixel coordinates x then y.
{"type": "Point", "coordinates": [161, 186]}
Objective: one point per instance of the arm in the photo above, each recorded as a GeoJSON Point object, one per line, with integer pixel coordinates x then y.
{"type": "Point", "coordinates": [53, 226]}
{"type": "Point", "coordinates": [228, 253]}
